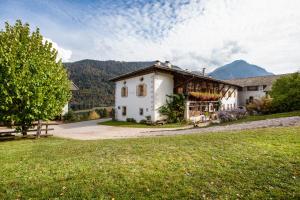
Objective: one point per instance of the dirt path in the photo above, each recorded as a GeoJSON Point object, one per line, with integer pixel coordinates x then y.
{"type": "Point", "coordinates": [279, 122]}
{"type": "Point", "coordinates": [90, 130]}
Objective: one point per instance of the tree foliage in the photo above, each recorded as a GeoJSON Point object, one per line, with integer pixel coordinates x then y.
{"type": "Point", "coordinates": [33, 84]}
{"type": "Point", "coordinates": [174, 108]}
{"type": "Point", "coordinates": [286, 93]}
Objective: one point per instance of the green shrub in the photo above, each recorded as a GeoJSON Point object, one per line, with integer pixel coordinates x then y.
{"type": "Point", "coordinates": [143, 121]}
{"type": "Point", "coordinates": [131, 120]}
{"type": "Point", "coordinates": [93, 115]}
{"type": "Point", "coordinates": [174, 108]}
{"type": "Point", "coordinates": [71, 116]}
{"type": "Point", "coordinates": [102, 112]}
{"type": "Point", "coordinates": [286, 93]}
{"type": "Point", "coordinates": [112, 114]}
{"type": "Point", "coordinates": [260, 106]}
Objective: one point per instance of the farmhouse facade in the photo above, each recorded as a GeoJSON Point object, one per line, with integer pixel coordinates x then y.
{"type": "Point", "coordinates": [141, 93]}
{"type": "Point", "coordinates": [254, 87]}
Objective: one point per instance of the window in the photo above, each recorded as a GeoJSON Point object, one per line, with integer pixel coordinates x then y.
{"type": "Point", "coordinates": [252, 88]}
{"type": "Point", "coordinates": [124, 110]}
{"type": "Point", "coordinates": [141, 90]}
{"type": "Point", "coordinates": [141, 111]}
{"type": "Point", "coordinates": [124, 91]}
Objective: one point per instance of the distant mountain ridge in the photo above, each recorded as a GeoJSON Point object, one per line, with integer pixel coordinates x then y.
{"type": "Point", "coordinates": [92, 78]}
{"type": "Point", "coordinates": [95, 89]}
{"type": "Point", "coordinates": [238, 69]}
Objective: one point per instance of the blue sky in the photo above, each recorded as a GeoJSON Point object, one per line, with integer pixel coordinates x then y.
{"type": "Point", "coordinates": [190, 33]}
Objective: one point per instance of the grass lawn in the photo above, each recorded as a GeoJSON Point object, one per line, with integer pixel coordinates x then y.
{"type": "Point", "coordinates": [255, 164]}
{"type": "Point", "coordinates": [137, 125]}
{"type": "Point", "coordinates": [263, 117]}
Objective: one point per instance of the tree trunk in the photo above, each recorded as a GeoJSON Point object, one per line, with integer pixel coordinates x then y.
{"type": "Point", "coordinates": [39, 128]}
{"type": "Point", "coordinates": [24, 130]}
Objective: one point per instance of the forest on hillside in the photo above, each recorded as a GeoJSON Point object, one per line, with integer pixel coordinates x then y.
{"type": "Point", "coordinates": [92, 78]}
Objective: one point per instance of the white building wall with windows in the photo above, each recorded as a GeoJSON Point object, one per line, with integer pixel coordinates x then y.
{"type": "Point", "coordinates": [132, 102]}
{"type": "Point", "coordinates": [158, 86]}
{"type": "Point", "coordinates": [245, 94]}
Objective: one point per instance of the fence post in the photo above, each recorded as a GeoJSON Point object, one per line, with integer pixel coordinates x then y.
{"type": "Point", "coordinates": [39, 128]}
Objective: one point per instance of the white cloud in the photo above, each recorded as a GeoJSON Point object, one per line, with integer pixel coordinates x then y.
{"type": "Point", "coordinates": [190, 33]}
{"type": "Point", "coordinates": [62, 53]}
{"type": "Point", "coordinates": [203, 33]}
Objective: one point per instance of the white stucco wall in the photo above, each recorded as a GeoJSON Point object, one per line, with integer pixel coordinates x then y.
{"type": "Point", "coordinates": [133, 102]}
{"type": "Point", "coordinates": [163, 86]}
{"type": "Point", "coordinates": [232, 101]}
{"type": "Point", "coordinates": [244, 95]}
{"type": "Point", "coordinates": [159, 84]}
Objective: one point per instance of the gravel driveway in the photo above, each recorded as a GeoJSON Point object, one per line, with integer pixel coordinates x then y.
{"type": "Point", "coordinates": [90, 130]}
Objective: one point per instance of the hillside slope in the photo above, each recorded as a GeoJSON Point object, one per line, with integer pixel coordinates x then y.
{"type": "Point", "coordinates": [92, 78]}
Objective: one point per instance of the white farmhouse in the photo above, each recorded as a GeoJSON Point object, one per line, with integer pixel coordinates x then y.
{"type": "Point", "coordinates": [254, 87]}
{"type": "Point", "coordinates": [141, 93]}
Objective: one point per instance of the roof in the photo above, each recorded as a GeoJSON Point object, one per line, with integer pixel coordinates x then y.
{"type": "Point", "coordinates": [73, 86]}
{"type": "Point", "coordinates": [165, 69]}
{"type": "Point", "coordinates": [256, 81]}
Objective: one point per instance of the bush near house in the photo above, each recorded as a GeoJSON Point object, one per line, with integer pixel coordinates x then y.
{"type": "Point", "coordinates": [174, 108]}
{"type": "Point", "coordinates": [71, 116]}
{"type": "Point", "coordinates": [232, 115]}
{"type": "Point", "coordinates": [93, 115]}
{"type": "Point", "coordinates": [102, 112]}
{"type": "Point", "coordinates": [260, 106]}
{"type": "Point", "coordinates": [131, 120]}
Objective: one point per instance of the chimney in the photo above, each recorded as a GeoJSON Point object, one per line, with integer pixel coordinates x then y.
{"type": "Point", "coordinates": [168, 64]}
{"type": "Point", "coordinates": [203, 71]}
{"type": "Point", "coordinates": [157, 62]}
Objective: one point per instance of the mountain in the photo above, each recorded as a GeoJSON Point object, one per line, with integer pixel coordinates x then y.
{"type": "Point", "coordinates": [92, 78]}
{"type": "Point", "coordinates": [238, 69]}
{"type": "Point", "coordinates": [95, 89]}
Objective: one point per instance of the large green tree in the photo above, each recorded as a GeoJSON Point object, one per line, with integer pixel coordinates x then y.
{"type": "Point", "coordinates": [286, 93]}
{"type": "Point", "coordinates": [34, 85]}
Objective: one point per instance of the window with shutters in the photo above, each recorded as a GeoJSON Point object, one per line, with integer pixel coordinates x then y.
{"type": "Point", "coordinates": [141, 90]}
{"type": "Point", "coordinates": [124, 91]}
